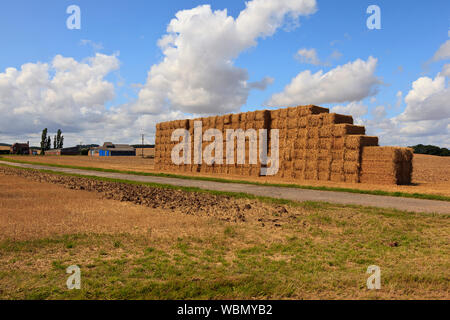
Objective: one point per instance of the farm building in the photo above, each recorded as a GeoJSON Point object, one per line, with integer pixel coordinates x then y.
{"type": "Point", "coordinates": [20, 148]}
{"type": "Point", "coordinates": [5, 149]}
{"type": "Point", "coordinates": [145, 151]}
{"type": "Point", "coordinates": [112, 150]}
{"type": "Point", "coordinates": [63, 152]}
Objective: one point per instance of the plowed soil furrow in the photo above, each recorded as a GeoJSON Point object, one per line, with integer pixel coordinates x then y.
{"type": "Point", "coordinates": [192, 203]}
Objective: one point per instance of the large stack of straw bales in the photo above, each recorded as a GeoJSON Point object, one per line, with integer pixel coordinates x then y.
{"type": "Point", "coordinates": [313, 145]}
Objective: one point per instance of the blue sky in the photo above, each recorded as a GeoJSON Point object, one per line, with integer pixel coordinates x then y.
{"type": "Point", "coordinates": [412, 32]}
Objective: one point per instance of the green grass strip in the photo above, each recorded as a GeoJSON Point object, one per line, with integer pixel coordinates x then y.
{"type": "Point", "coordinates": [222, 180]}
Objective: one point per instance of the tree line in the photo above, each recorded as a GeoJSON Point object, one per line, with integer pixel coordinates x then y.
{"type": "Point", "coordinates": [431, 150]}
{"type": "Point", "coordinates": [46, 142]}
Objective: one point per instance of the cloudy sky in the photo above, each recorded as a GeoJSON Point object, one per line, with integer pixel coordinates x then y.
{"type": "Point", "coordinates": [135, 63]}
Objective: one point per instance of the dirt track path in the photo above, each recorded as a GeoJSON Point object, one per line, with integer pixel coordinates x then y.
{"type": "Point", "coordinates": [406, 204]}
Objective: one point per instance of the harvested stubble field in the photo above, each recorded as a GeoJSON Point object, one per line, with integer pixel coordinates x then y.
{"type": "Point", "coordinates": [431, 174]}
{"type": "Point", "coordinates": [172, 244]}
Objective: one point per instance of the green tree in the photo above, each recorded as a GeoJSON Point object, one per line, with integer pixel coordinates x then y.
{"type": "Point", "coordinates": [44, 141]}
{"type": "Point", "coordinates": [48, 144]}
{"type": "Point", "coordinates": [59, 140]}
{"type": "Point", "coordinates": [54, 143]}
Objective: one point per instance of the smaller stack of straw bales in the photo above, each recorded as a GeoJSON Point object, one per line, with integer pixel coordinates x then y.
{"type": "Point", "coordinates": [386, 165]}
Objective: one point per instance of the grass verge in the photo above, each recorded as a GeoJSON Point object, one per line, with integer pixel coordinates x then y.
{"type": "Point", "coordinates": [222, 180]}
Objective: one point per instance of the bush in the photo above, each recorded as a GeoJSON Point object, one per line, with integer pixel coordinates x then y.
{"type": "Point", "coordinates": [431, 150]}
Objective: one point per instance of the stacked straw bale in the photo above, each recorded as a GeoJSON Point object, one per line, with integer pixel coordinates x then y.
{"type": "Point", "coordinates": [386, 165]}
{"type": "Point", "coordinates": [313, 145]}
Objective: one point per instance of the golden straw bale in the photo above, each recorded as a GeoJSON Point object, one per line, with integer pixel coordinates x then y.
{"type": "Point", "coordinates": [326, 131]}
{"type": "Point", "coordinates": [275, 114]}
{"type": "Point", "coordinates": [333, 118]}
{"type": "Point", "coordinates": [338, 143]}
{"type": "Point", "coordinates": [337, 166]}
{"type": "Point", "coordinates": [312, 143]}
{"type": "Point", "coordinates": [337, 177]}
{"type": "Point", "coordinates": [227, 119]}
{"type": "Point", "coordinates": [351, 167]}
{"type": "Point", "coordinates": [313, 120]}
{"type": "Point", "coordinates": [259, 115]}
{"type": "Point", "coordinates": [299, 143]}
{"type": "Point", "coordinates": [251, 116]}
{"type": "Point", "coordinates": [235, 118]}
{"type": "Point", "coordinates": [356, 142]}
{"type": "Point", "coordinates": [324, 165]}
{"type": "Point", "coordinates": [352, 177]}
{"type": "Point", "coordinates": [311, 175]}
{"type": "Point", "coordinates": [325, 143]}
{"type": "Point", "coordinates": [292, 134]}
{"type": "Point", "coordinates": [309, 110]}
{"type": "Point", "coordinates": [299, 154]}
{"type": "Point", "coordinates": [341, 130]}
{"type": "Point", "coordinates": [324, 175]}
{"type": "Point", "coordinates": [292, 123]}
{"type": "Point", "coordinates": [312, 154]}
{"type": "Point", "coordinates": [377, 178]}
{"type": "Point", "coordinates": [383, 153]}
{"type": "Point", "coordinates": [352, 155]}
{"type": "Point", "coordinates": [324, 155]}
{"type": "Point", "coordinates": [313, 133]}
{"type": "Point", "coordinates": [283, 113]}
{"type": "Point", "coordinates": [299, 164]}
{"type": "Point", "coordinates": [303, 122]}
{"type": "Point", "coordinates": [292, 113]}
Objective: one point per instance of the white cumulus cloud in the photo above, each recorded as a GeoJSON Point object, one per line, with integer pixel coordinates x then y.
{"type": "Point", "coordinates": [63, 93]}
{"type": "Point", "coordinates": [197, 74]}
{"type": "Point", "coordinates": [353, 81]}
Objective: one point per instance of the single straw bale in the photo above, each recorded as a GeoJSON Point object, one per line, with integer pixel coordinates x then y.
{"type": "Point", "coordinates": [311, 175]}
{"type": "Point", "coordinates": [275, 114]}
{"type": "Point", "coordinates": [251, 116]}
{"type": "Point", "coordinates": [324, 165]}
{"type": "Point", "coordinates": [292, 134]}
{"type": "Point", "coordinates": [337, 166]}
{"type": "Point", "coordinates": [324, 175]}
{"type": "Point", "coordinates": [313, 133]}
{"type": "Point", "coordinates": [346, 129]}
{"type": "Point", "coordinates": [300, 143]}
{"type": "Point", "coordinates": [309, 110]}
{"type": "Point", "coordinates": [312, 143]}
{"type": "Point", "coordinates": [312, 154]}
{"type": "Point", "coordinates": [324, 154]}
{"type": "Point", "coordinates": [351, 167]}
{"type": "Point", "coordinates": [355, 142]}
{"type": "Point", "coordinates": [351, 177]}
{"type": "Point", "coordinates": [235, 118]}
{"type": "Point", "coordinates": [227, 119]}
{"type": "Point", "coordinates": [333, 118]}
{"type": "Point", "coordinates": [338, 143]}
{"type": "Point", "coordinates": [299, 154]}
{"type": "Point", "coordinates": [299, 164]}
{"type": "Point", "coordinates": [326, 131]}
{"type": "Point", "coordinates": [259, 115]}
{"type": "Point", "coordinates": [283, 113]}
{"type": "Point", "coordinates": [292, 123]}
{"type": "Point", "coordinates": [352, 155]}
{"type": "Point", "coordinates": [303, 133]}
{"type": "Point", "coordinates": [325, 143]}
{"type": "Point", "coordinates": [313, 120]}
{"type": "Point", "coordinates": [337, 177]}
{"type": "Point", "coordinates": [303, 122]}
{"type": "Point", "coordinates": [292, 113]}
